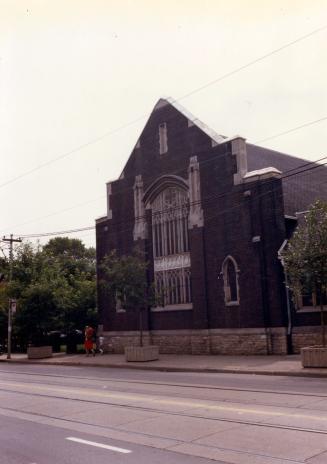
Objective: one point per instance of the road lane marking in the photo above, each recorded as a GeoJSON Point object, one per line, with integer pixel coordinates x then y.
{"type": "Point", "coordinates": [99, 445]}
{"type": "Point", "coordinates": [156, 401]}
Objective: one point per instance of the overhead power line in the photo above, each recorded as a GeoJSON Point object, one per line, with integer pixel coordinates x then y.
{"type": "Point", "coordinates": [287, 174]}
{"type": "Point", "coordinates": [55, 213]}
{"type": "Point", "coordinates": [196, 90]}
{"type": "Point", "coordinates": [251, 63]}
{"type": "Point", "coordinates": [176, 172]}
{"type": "Point", "coordinates": [150, 179]}
{"type": "Point", "coordinates": [61, 232]}
{"type": "Point", "coordinates": [279, 134]}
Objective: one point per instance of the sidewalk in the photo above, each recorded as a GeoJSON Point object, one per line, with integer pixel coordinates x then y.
{"type": "Point", "coordinates": [261, 365]}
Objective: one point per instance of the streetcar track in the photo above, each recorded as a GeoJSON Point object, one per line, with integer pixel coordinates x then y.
{"type": "Point", "coordinates": [174, 395]}
{"type": "Point", "coordinates": [49, 383]}
{"type": "Point", "coordinates": [160, 411]}
{"type": "Point", "coordinates": [166, 384]}
{"type": "Point", "coordinates": [157, 411]}
{"type": "Point", "coordinates": [144, 434]}
{"type": "Point", "coordinates": [240, 401]}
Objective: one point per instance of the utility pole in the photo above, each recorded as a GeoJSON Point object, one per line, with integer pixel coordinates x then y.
{"type": "Point", "coordinates": [11, 240]}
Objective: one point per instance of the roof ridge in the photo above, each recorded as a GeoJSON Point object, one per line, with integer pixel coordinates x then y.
{"type": "Point", "coordinates": [218, 138]}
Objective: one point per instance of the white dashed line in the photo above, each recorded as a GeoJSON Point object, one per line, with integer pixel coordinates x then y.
{"type": "Point", "coordinates": [99, 445]}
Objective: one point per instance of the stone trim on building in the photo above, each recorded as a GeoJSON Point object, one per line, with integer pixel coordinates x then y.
{"type": "Point", "coordinates": [109, 193]}
{"type": "Point", "coordinates": [251, 341]}
{"type": "Point", "coordinates": [196, 212]}
{"type": "Point", "coordinates": [139, 231]}
{"type": "Point", "coordinates": [239, 151]}
{"type": "Point", "coordinates": [305, 336]}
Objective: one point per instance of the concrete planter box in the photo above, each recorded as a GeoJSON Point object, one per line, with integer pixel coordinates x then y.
{"type": "Point", "coordinates": [314, 356]}
{"type": "Point", "coordinates": [39, 352]}
{"type": "Point", "coordinates": [141, 353]}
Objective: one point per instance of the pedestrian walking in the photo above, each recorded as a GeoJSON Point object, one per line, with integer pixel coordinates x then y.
{"type": "Point", "coordinates": [88, 343]}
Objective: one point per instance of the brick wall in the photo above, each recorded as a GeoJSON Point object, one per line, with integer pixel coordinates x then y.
{"type": "Point", "coordinates": [231, 219]}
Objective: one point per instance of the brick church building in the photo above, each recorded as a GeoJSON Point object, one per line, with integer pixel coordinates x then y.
{"type": "Point", "coordinates": [210, 215]}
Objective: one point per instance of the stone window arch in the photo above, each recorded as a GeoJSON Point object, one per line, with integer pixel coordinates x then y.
{"type": "Point", "coordinates": [230, 272]}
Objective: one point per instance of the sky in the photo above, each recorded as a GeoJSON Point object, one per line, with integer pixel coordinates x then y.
{"type": "Point", "coordinates": [79, 78]}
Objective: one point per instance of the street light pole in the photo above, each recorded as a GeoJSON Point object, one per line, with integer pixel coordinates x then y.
{"type": "Point", "coordinates": [11, 240]}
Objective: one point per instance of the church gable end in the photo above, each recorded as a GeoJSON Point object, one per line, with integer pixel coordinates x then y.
{"type": "Point", "coordinates": [186, 201]}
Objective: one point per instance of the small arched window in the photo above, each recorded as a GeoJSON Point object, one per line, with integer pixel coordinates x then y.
{"type": "Point", "coordinates": [230, 273]}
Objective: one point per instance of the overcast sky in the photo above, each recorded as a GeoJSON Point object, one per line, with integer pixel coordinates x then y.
{"type": "Point", "coordinates": [74, 70]}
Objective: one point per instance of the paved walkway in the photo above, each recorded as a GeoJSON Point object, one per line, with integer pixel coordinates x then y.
{"type": "Point", "coordinates": [265, 365]}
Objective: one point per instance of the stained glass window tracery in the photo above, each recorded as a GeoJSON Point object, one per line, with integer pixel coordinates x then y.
{"type": "Point", "coordinates": [170, 210]}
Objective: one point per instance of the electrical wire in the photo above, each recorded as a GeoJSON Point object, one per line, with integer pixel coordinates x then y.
{"type": "Point", "coordinates": [54, 214]}
{"type": "Point", "coordinates": [61, 232]}
{"type": "Point", "coordinates": [175, 172]}
{"type": "Point", "coordinates": [204, 201]}
{"type": "Point", "coordinates": [198, 89]}
{"type": "Point", "coordinates": [307, 124]}
{"type": "Point", "coordinates": [251, 63]}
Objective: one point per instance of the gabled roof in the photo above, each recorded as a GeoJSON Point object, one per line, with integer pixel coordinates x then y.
{"type": "Point", "coordinates": [304, 182]}
{"type": "Point", "coordinates": [299, 190]}
{"type": "Point", "coordinates": [192, 120]}
{"type": "Point", "coordinates": [217, 138]}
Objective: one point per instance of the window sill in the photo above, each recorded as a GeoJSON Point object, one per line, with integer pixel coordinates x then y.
{"type": "Point", "coordinates": [232, 303]}
{"type": "Point", "coordinates": [310, 309]}
{"type": "Point", "coordinates": [178, 307]}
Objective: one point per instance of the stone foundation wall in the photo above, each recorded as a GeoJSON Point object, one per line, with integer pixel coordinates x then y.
{"type": "Point", "coordinates": [239, 341]}
{"type": "Point", "coordinates": [278, 340]}
{"type": "Point", "coordinates": [215, 341]}
{"type": "Point", "coordinates": [172, 342]}
{"type": "Point", "coordinates": [115, 342]}
{"type": "Point", "coordinates": [305, 336]}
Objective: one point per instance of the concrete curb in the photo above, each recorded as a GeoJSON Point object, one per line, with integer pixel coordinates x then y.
{"type": "Point", "coordinates": [207, 370]}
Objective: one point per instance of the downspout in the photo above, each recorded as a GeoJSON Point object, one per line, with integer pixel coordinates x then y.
{"type": "Point", "coordinates": [264, 287]}
{"type": "Point", "coordinates": [257, 239]}
{"type": "Point", "coordinates": [289, 316]}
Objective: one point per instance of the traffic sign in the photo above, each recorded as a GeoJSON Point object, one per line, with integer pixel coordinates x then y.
{"type": "Point", "coordinates": [13, 306]}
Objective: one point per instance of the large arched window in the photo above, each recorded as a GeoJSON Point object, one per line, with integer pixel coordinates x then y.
{"type": "Point", "coordinates": [230, 276]}
{"type": "Point", "coordinates": [170, 210]}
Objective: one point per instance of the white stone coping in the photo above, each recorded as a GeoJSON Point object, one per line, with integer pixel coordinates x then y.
{"type": "Point", "coordinates": [233, 137]}
{"type": "Point", "coordinates": [101, 219]}
{"type": "Point", "coordinates": [261, 174]}
{"type": "Point", "coordinates": [195, 121]}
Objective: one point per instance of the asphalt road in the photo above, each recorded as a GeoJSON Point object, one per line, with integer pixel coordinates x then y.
{"type": "Point", "coordinates": [23, 442]}
{"type": "Point", "coordinates": [58, 414]}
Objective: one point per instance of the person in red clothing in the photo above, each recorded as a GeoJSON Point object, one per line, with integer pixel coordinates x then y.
{"type": "Point", "coordinates": [88, 343]}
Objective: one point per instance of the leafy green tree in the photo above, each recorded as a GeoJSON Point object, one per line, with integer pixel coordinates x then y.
{"type": "Point", "coordinates": [55, 287]}
{"type": "Point", "coordinates": [124, 278]}
{"type": "Point", "coordinates": [3, 325]}
{"type": "Point", "coordinates": [76, 296]}
{"type": "Point", "coordinates": [72, 247]}
{"type": "Point", "coordinates": [306, 258]}
{"type": "Point", "coordinates": [4, 272]}
{"type": "Point", "coordinates": [37, 313]}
